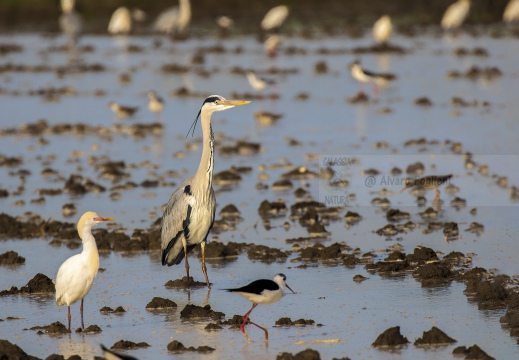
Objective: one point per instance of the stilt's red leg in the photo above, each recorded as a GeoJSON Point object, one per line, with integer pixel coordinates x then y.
{"type": "Point", "coordinates": [262, 328]}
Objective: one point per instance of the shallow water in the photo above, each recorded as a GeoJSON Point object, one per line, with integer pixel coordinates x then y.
{"type": "Point", "coordinates": [326, 125]}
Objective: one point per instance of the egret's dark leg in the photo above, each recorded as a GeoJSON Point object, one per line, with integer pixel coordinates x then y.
{"type": "Point", "coordinates": [81, 310]}
{"type": "Point", "coordinates": [204, 269]}
{"type": "Point", "coordinates": [184, 242]}
{"type": "Point", "coordinates": [262, 328]}
{"type": "Point", "coordinates": [69, 317]}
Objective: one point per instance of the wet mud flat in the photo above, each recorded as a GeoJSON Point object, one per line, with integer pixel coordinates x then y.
{"type": "Point", "coordinates": [378, 263]}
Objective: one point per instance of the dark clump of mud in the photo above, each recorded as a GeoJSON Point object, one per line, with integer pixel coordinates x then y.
{"type": "Point", "coordinates": [177, 346]}
{"type": "Point", "coordinates": [194, 311]}
{"type": "Point", "coordinates": [182, 283]}
{"type": "Point", "coordinates": [39, 284]}
{"type": "Point", "coordinates": [472, 353]}
{"type": "Point", "coordinates": [266, 254]}
{"type": "Point", "coordinates": [272, 209]}
{"type": "Point", "coordinates": [352, 217]}
{"type": "Point", "coordinates": [397, 215]}
{"type": "Point", "coordinates": [489, 294]}
{"type": "Point", "coordinates": [422, 254]}
{"type": "Point", "coordinates": [390, 338]}
{"type": "Point", "coordinates": [320, 252]}
{"type": "Point", "coordinates": [423, 101]}
{"type": "Point", "coordinates": [55, 328]}
{"type": "Point", "coordinates": [11, 258]}
{"type": "Point", "coordinates": [160, 303]}
{"type": "Point", "coordinates": [218, 250]}
{"type": "Point", "coordinates": [13, 351]}
{"type": "Point", "coordinates": [286, 321]}
{"type": "Point", "coordinates": [117, 310]}
{"type": "Point", "coordinates": [308, 354]}
{"type": "Point", "coordinates": [434, 274]}
{"type": "Point", "coordinates": [213, 327]}
{"type": "Point", "coordinates": [359, 98]}
{"type": "Point", "coordinates": [92, 329]}
{"type": "Point", "coordinates": [434, 337]}
{"type": "Point", "coordinates": [128, 345]}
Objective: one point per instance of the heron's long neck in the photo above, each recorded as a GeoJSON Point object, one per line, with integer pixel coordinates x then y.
{"type": "Point", "coordinates": [205, 169]}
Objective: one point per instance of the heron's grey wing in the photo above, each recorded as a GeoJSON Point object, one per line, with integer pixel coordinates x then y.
{"type": "Point", "coordinates": [175, 220]}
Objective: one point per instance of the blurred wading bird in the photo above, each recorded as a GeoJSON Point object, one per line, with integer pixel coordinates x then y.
{"type": "Point", "coordinates": [382, 29]}
{"type": "Point", "coordinates": [70, 22]}
{"type": "Point", "coordinates": [174, 20]}
{"type": "Point", "coordinates": [257, 83]}
{"type": "Point", "coordinates": [511, 13]}
{"type": "Point", "coordinates": [121, 111]}
{"type": "Point", "coordinates": [274, 18]}
{"type": "Point", "coordinates": [189, 214]}
{"type": "Point", "coordinates": [365, 76]}
{"type": "Point", "coordinates": [432, 182]}
{"type": "Point", "coordinates": [76, 275]}
{"type": "Point", "coordinates": [455, 15]}
{"type": "Point", "coordinates": [155, 104]}
{"type": "Point", "coordinates": [120, 22]}
{"type": "Point", "coordinates": [261, 292]}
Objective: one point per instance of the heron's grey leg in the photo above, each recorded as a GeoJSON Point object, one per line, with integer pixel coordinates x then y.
{"type": "Point", "coordinates": [184, 242]}
{"type": "Point", "coordinates": [204, 269]}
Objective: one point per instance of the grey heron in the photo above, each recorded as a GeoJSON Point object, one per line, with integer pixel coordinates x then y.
{"type": "Point", "coordinates": [121, 111]}
{"type": "Point", "coordinates": [70, 22]}
{"type": "Point", "coordinates": [174, 20]}
{"type": "Point", "coordinates": [155, 103]}
{"type": "Point", "coordinates": [455, 15]}
{"type": "Point", "coordinates": [76, 275]}
{"type": "Point", "coordinates": [120, 22]}
{"type": "Point", "coordinates": [382, 29]}
{"type": "Point", "coordinates": [261, 292]}
{"type": "Point", "coordinates": [274, 18]}
{"type": "Point", "coordinates": [189, 213]}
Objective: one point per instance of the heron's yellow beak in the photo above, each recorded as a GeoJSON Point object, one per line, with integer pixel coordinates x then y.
{"type": "Point", "coordinates": [233, 102]}
{"type": "Point", "coordinates": [100, 218]}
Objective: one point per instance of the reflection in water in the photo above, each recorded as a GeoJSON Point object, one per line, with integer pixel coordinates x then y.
{"type": "Point", "coordinates": [384, 61]}
{"type": "Point", "coordinates": [75, 345]}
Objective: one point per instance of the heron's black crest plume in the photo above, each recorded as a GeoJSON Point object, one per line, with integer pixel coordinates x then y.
{"type": "Point", "coordinates": [193, 125]}
{"type": "Point", "coordinates": [211, 98]}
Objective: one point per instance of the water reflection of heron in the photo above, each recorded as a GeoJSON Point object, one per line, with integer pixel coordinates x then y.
{"type": "Point", "coordinates": [189, 213]}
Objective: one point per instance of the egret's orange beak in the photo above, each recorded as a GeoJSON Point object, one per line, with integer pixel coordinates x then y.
{"type": "Point", "coordinates": [233, 102]}
{"type": "Point", "coordinates": [100, 218]}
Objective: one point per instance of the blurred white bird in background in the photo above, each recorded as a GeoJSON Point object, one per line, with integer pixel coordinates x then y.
{"type": "Point", "coordinates": [70, 22]}
{"type": "Point", "coordinates": [174, 20]}
{"type": "Point", "coordinates": [274, 18]}
{"type": "Point", "coordinates": [511, 13]}
{"type": "Point", "coordinates": [271, 44]}
{"type": "Point", "coordinates": [455, 15]}
{"type": "Point", "coordinates": [120, 22]}
{"type": "Point", "coordinates": [155, 104]}
{"type": "Point", "coordinates": [382, 30]}
{"type": "Point", "coordinates": [257, 83]}
{"type": "Point", "coordinates": [76, 275]}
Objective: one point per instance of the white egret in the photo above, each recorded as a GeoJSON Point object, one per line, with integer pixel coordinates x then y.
{"type": "Point", "coordinates": [382, 29]}
{"type": "Point", "coordinates": [120, 22]}
{"type": "Point", "coordinates": [455, 15]}
{"type": "Point", "coordinates": [174, 20]}
{"type": "Point", "coordinates": [76, 275]}
{"type": "Point", "coordinates": [274, 18]}
{"type": "Point", "coordinates": [511, 13]}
